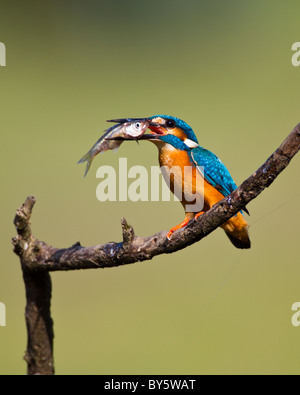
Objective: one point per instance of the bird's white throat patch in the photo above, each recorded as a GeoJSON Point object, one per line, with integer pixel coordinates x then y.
{"type": "Point", "coordinates": [190, 143]}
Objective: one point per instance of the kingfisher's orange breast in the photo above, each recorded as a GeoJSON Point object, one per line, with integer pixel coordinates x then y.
{"type": "Point", "coordinates": [176, 164]}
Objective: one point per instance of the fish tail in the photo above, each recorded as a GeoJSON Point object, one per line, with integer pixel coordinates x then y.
{"type": "Point", "coordinates": [86, 158]}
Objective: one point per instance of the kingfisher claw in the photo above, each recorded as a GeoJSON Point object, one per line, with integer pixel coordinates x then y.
{"type": "Point", "coordinates": [177, 227]}
{"type": "Point", "coordinates": [199, 214]}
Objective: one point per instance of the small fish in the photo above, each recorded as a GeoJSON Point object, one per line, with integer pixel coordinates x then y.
{"type": "Point", "coordinates": [113, 138]}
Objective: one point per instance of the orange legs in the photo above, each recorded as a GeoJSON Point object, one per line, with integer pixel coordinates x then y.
{"type": "Point", "coordinates": [198, 214]}
{"type": "Point", "coordinates": [180, 226]}
{"type": "Point", "coordinates": [187, 219]}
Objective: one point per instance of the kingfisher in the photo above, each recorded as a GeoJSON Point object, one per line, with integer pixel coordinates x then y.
{"type": "Point", "coordinates": [207, 182]}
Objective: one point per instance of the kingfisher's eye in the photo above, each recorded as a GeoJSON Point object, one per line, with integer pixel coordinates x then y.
{"type": "Point", "coordinates": [170, 123]}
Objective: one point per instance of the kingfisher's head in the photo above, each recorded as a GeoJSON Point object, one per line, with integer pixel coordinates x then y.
{"type": "Point", "coordinates": [162, 126]}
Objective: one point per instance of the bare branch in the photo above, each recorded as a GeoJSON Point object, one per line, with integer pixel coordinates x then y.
{"type": "Point", "coordinates": [39, 354]}
{"type": "Point", "coordinates": [134, 248]}
{"type": "Point", "coordinates": [38, 258]}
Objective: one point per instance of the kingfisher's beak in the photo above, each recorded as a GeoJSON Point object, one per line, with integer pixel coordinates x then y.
{"type": "Point", "coordinates": [156, 129]}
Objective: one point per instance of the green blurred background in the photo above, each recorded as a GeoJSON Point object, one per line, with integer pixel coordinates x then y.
{"type": "Point", "coordinates": [223, 67]}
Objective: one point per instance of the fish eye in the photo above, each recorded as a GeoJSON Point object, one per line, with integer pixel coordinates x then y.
{"type": "Point", "coordinates": [137, 125]}
{"type": "Point", "coordinates": [170, 123]}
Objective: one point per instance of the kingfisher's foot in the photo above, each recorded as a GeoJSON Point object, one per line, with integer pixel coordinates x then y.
{"type": "Point", "coordinates": [198, 214]}
{"type": "Point", "coordinates": [180, 226]}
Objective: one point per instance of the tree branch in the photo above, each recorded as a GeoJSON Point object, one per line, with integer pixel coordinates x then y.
{"type": "Point", "coordinates": [38, 258]}
{"type": "Point", "coordinates": [39, 354]}
{"type": "Point", "coordinates": [42, 257]}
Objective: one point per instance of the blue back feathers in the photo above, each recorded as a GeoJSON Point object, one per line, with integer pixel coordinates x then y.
{"type": "Point", "coordinates": [215, 171]}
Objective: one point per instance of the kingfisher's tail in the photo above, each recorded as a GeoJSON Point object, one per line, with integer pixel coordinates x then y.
{"type": "Point", "coordinates": [237, 231]}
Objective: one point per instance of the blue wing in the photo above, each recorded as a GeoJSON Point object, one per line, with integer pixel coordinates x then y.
{"type": "Point", "coordinates": [215, 171]}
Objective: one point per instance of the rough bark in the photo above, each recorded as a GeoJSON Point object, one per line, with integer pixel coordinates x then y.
{"type": "Point", "coordinates": [39, 354]}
